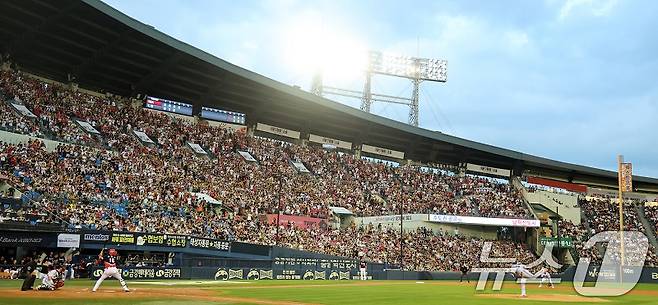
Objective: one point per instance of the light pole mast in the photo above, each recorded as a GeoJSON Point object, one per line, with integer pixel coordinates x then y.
{"type": "Point", "coordinates": [415, 96]}
{"type": "Point", "coordinates": [366, 100]}
{"type": "Point", "coordinates": [316, 85]}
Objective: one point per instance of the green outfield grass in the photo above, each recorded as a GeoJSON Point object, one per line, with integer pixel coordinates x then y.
{"type": "Point", "coordinates": [308, 292]}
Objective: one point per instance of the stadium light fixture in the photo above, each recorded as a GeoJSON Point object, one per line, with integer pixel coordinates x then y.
{"type": "Point", "coordinates": [414, 68]}
{"type": "Point", "coordinates": [408, 67]}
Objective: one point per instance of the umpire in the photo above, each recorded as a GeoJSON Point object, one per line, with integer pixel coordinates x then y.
{"type": "Point", "coordinates": [29, 269]}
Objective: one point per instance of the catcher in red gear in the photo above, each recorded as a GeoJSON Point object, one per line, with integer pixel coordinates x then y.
{"type": "Point", "coordinates": [59, 284]}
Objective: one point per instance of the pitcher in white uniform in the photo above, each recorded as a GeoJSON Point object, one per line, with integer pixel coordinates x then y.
{"type": "Point", "coordinates": [521, 273]}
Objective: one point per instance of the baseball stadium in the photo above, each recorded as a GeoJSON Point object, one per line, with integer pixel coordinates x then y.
{"type": "Point", "coordinates": [136, 168]}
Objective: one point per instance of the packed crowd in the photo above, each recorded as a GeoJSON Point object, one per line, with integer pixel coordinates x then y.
{"type": "Point", "coordinates": [17, 124]}
{"type": "Point", "coordinates": [423, 249]}
{"type": "Point", "coordinates": [579, 235]}
{"type": "Point", "coordinates": [52, 104]}
{"type": "Point", "coordinates": [338, 180]}
{"type": "Point", "coordinates": [651, 213]}
{"type": "Point", "coordinates": [24, 214]}
{"type": "Point", "coordinates": [603, 215]}
{"type": "Point", "coordinates": [112, 181]}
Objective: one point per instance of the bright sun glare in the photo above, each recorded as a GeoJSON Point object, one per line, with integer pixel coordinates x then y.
{"type": "Point", "coordinates": [312, 47]}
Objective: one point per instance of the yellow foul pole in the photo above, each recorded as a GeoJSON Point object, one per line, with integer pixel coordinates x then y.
{"type": "Point", "coordinates": [620, 160]}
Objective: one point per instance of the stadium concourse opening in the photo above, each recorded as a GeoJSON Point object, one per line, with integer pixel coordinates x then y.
{"type": "Point", "coordinates": [115, 138]}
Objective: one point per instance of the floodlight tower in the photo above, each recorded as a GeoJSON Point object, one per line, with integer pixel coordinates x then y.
{"type": "Point", "coordinates": [415, 69]}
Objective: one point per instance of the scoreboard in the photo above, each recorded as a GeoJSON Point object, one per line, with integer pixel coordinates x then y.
{"type": "Point", "coordinates": [167, 105]}
{"type": "Point", "coordinates": [223, 115]}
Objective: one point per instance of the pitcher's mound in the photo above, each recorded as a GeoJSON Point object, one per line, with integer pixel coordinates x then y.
{"type": "Point", "coordinates": [546, 297]}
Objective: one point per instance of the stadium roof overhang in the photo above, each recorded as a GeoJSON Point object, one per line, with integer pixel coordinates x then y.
{"type": "Point", "coordinates": [106, 50]}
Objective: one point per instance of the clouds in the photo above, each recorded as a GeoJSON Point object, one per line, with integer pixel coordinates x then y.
{"type": "Point", "coordinates": [552, 78]}
{"type": "Point", "coordinates": [597, 8]}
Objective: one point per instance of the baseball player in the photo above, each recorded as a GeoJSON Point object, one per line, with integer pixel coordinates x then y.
{"type": "Point", "coordinates": [53, 279]}
{"type": "Point", "coordinates": [519, 271]}
{"type": "Point", "coordinates": [109, 260]}
{"type": "Point", "coordinates": [545, 276]}
{"type": "Point", "coordinates": [362, 271]}
{"type": "Point", "coordinates": [13, 273]}
{"type": "Point", "coordinates": [464, 269]}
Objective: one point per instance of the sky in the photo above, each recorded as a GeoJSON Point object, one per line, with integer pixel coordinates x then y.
{"type": "Point", "coordinates": [570, 80]}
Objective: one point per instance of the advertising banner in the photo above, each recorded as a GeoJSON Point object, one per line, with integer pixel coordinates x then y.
{"type": "Point", "coordinates": [375, 220]}
{"type": "Point", "coordinates": [150, 240]}
{"type": "Point", "coordinates": [320, 263]}
{"type": "Point", "coordinates": [382, 151]}
{"type": "Point", "coordinates": [161, 240]}
{"type": "Point", "coordinates": [488, 170]}
{"type": "Point", "coordinates": [324, 140]}
{"type": "Point", "coordinates": [206, 243]}
{"type": "Point", "coordinates": [291, 268]}
{"type": "Point", "coordinates": [299, 221]}
{"type": "Point", "coordinates": [68, 240]}
{"type": "Point", "coordinates": [131, 273]}
{"type": "Point", "coordinates": [485, 221]}
{"type": "Point", "coordinates": [138, 239]}
{"type": "Point", "coordinates": [95, 237]}
{"type": "Point", "coordinates": [123, 238]}
{"type": "Point", "coordinates": [278, 131]}
{"type": "Point", "coordinates": [252, 274]}
{"type": "Point", "coordinates": [650, 275]}
{"type": "Point", "coordinates": [579, 188]}
{"type": "Point", "coordinates": [27, 239]}
{"type": "Point", "coordinates": [565, 242]}
{"type": "Point", "coordinates": [301, 268]}
{"type": "Point", "coordinates": [626, 177]}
